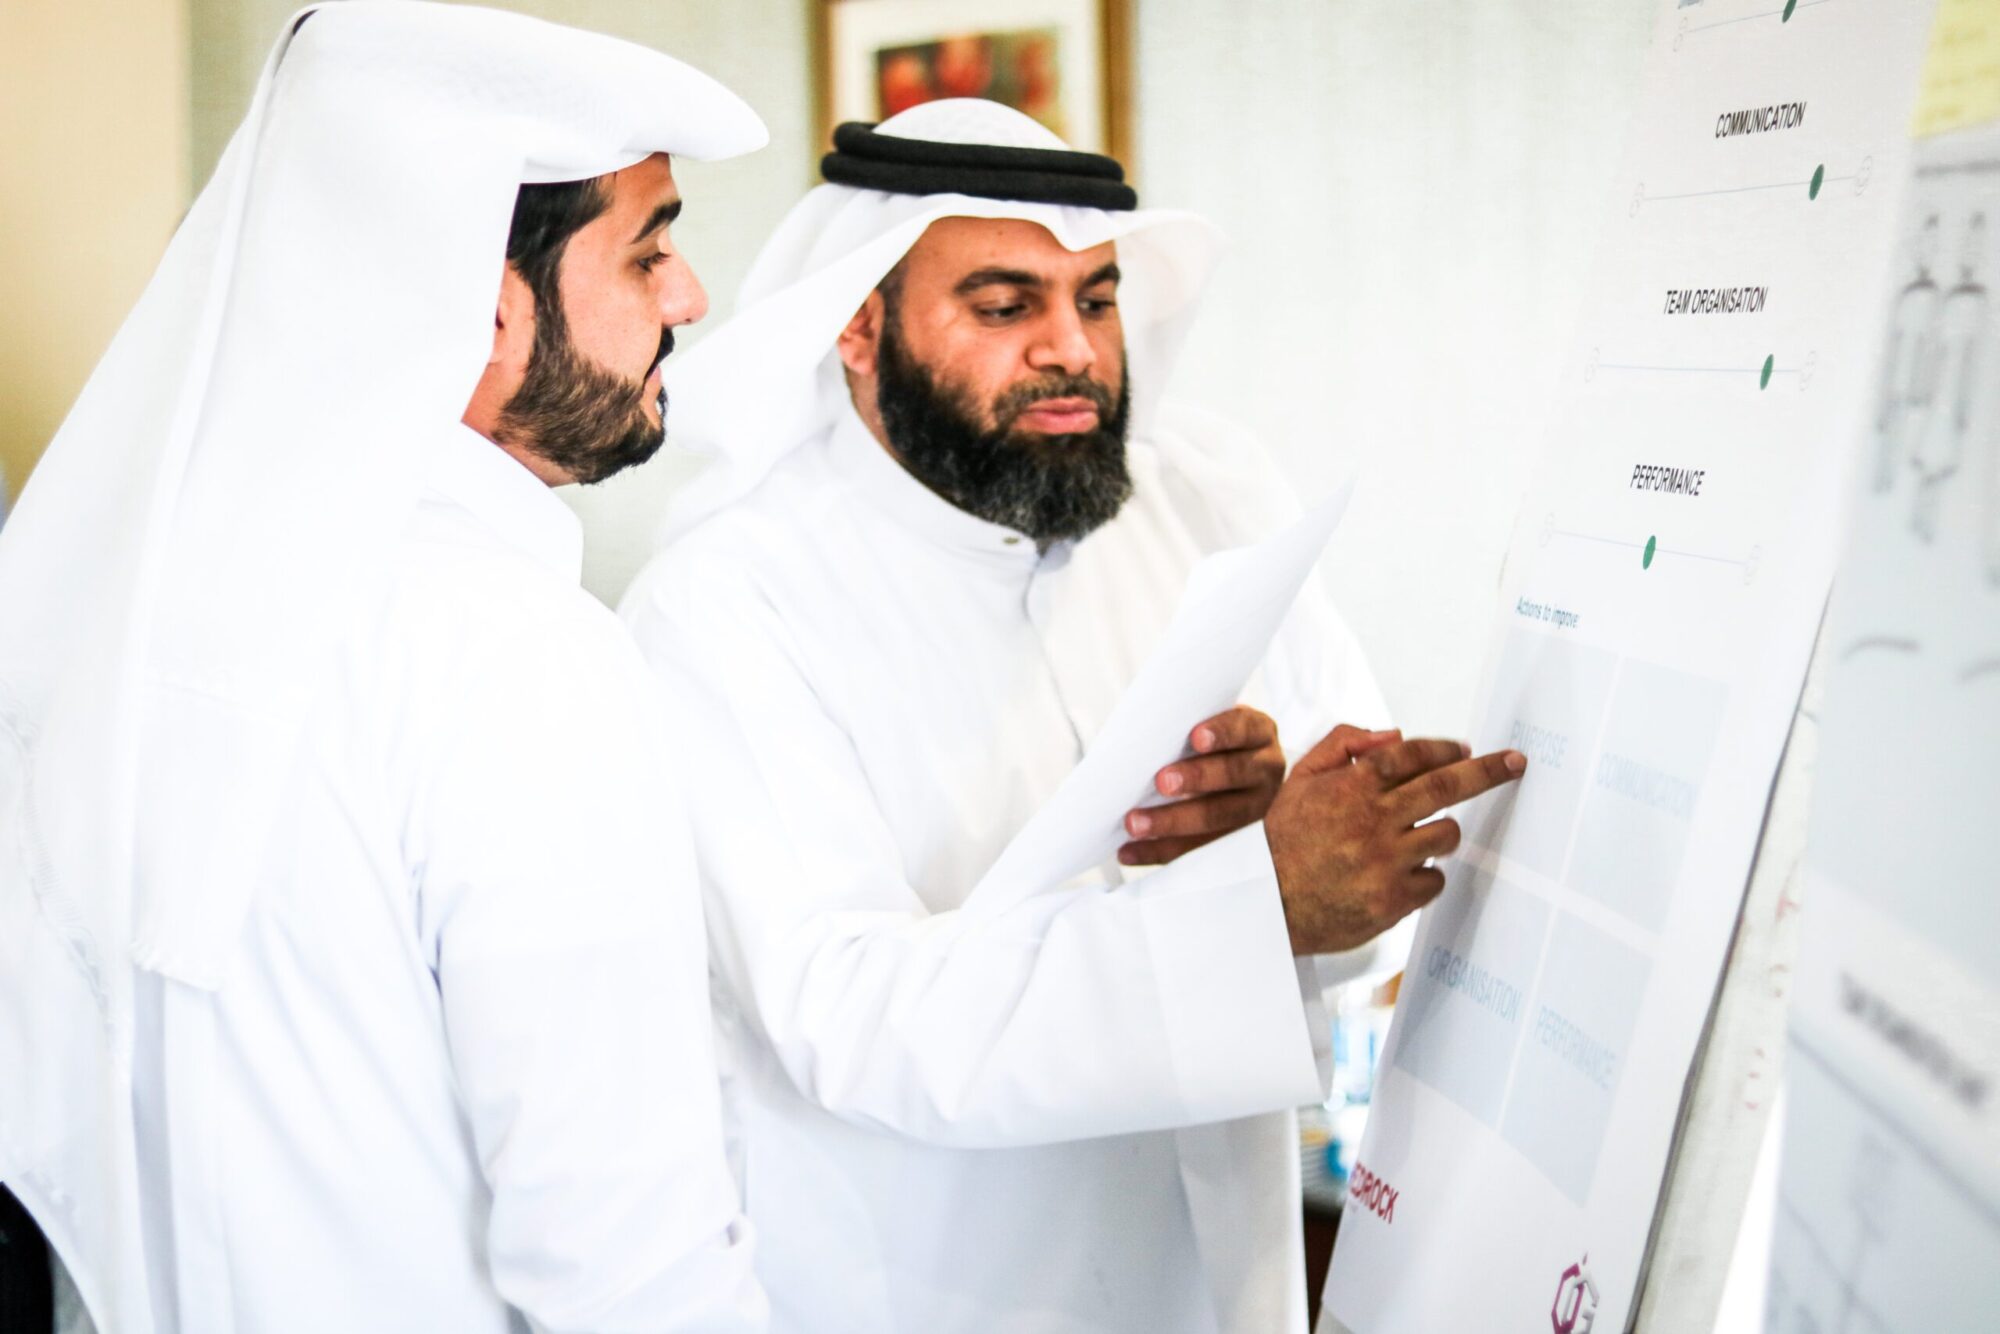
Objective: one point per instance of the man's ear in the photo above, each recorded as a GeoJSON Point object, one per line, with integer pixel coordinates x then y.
{"type": "Point", "coordinates": [513, 323]}
{"type": "Point", "coordinates": [858, 341]}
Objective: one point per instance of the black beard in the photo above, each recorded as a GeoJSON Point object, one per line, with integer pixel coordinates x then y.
{"type": "Point", "coordinates": [578, 416]}
{"type": "Point", "coordinates": [1051, 488]}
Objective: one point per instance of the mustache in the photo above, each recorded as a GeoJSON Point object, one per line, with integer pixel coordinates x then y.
{"type": "Point", "coordinates": [1017, 399]}
{"type": "Point", "coordinates": [638, 386]}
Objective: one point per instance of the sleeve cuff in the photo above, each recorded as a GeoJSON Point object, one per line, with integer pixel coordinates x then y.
{"type": "Point", "coordinates": [1377, 961]}
{"type": "Point", "coordinates": [1244, 1019]}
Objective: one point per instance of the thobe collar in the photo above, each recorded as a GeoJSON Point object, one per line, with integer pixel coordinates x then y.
{"type": "Point", "coordinates": [875, 475]}
{"type": "Point", "coordinates": [500, 493]}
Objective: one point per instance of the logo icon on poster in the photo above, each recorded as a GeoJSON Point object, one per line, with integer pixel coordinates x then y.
{"type": "Point", "coordinates": [1576, 1300]}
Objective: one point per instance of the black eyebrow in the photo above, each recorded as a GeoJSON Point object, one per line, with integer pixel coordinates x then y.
{"type": "Point", "coordinates": [657, 219]}
{"type": "Point", "coordinates": [994, 277]}
{"type": "Point", "coordinates": [979, 278]}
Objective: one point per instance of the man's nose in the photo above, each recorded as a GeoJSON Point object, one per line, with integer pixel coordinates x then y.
{"type": "Point", "coordinates": [1061, 343]}
{"type": "Point", "coordinates": [683, 299]}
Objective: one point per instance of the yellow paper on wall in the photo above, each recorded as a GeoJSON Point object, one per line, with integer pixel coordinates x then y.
{"type": "Point", "coordinates": [1961, 79]}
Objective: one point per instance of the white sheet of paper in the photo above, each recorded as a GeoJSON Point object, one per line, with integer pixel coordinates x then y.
{"type": "Point", "coordinates": [1230, 611]}
{"type": "Point", "coordinates": [1658, 609]}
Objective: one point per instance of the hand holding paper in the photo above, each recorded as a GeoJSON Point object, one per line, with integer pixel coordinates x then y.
{"type": "Point", "coordinates": [1228, 783]}
{"type": "Point", "coordinates": [1232, 608]}
{"type": "Point", "coordinates": [1344, 827]}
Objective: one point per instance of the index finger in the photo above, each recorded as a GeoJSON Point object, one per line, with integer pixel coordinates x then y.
{"type": "Point", "coordinates": [1240, 728]}
{"type": "Point", "coordinates": [1429, 793]}
{"type": "Point", "coordinates": [1403, 761]}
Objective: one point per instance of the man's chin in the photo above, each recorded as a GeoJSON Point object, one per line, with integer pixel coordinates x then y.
{"type": "Point", "coordinates": [608, 460]}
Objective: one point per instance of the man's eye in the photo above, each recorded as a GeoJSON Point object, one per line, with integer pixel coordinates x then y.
{"type": "Point", "coordinates": [649, 261]}
{"type": "Point", "coordinates": [1097, 305]}
{"type": "Point", "coordinates": [1001, 312]}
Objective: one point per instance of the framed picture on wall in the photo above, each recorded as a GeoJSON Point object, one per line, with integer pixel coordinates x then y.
{"type": "Point", "coordinates": [1064, 62]}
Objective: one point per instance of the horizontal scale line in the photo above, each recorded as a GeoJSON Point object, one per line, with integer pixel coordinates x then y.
{"type": "Point", "coordinates": [1723, 23]}
{"type": "Point", "coordinates": [1760, 14]}
{"type": "Point", "coordinates": [1738, 189]}
{"type": "Point", "coordinates": [1641, 546]}
{"type": "Point", "coordinates": [1706, 370]}
{"type": "Point", "coordinates": [1696, 555]}
{"type": "Point", "coordinates": [1592, 537]}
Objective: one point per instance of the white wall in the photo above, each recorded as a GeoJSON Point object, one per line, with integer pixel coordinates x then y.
{"type": "Point", "coordinates": [1412, 188]}
{"type": "Point", "coordinates": [93, 98]}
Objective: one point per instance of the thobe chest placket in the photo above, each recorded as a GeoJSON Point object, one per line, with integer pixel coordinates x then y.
{"type": "Point", "coordinates": [1084, 684]}
{"type": "Point", "coordinates": [996, 647]}
{"type": "Point", "coordinates": [1036, 596]}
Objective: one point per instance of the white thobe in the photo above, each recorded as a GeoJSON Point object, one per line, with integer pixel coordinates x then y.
{"type": "Point", "coordinates": [1074, 1116]}
{"type": "Point", "coordinates": [459, 1074]}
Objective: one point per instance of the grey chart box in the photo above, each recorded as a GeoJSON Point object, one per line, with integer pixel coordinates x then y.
{"type": "Point", "coordinates": [1464, 1001]}
{"type": "Point", "coordinates": [1574, 1053]}
{"type": "Point", "coordinates": [1547, 701]}
{"type": "Point", "coordinates": [1639, 803]}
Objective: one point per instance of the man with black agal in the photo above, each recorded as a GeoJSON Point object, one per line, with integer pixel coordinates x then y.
{"type": "Point", "coordinates": [950, 516]}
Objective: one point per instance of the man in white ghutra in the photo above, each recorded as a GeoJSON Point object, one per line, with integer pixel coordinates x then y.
{"type": "Point", "coordinates": [949, 518]}
{"type": "Point", "coordinates": [352, 972]}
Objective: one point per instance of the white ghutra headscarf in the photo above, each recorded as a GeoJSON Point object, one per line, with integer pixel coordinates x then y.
{"type": "Point", "coordinates": [228, 486]}
{"type": "Point", "coordinates": [768, 380]}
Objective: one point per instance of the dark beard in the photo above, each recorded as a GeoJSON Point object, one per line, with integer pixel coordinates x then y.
{"type": "Point", "coordinates": [1051, 488]}
{"type": "Point", "coordinates": [578, 416]}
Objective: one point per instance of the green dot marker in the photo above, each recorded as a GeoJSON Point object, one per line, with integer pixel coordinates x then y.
{"type": "Point", "coordinates": [1646, 561]}
{"type": "Point", "coordinates": [1770, 364]}
{"type": "Point", "coordinates": [1819, 179]}
{"type": "Point", "coordinates": [1790, 5]}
